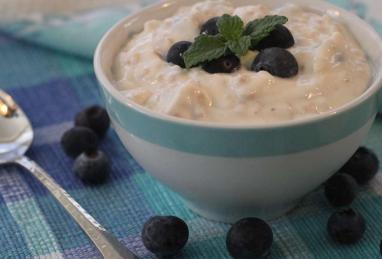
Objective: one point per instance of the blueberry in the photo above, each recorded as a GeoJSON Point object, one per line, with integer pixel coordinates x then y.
{"type": "Point", "coordinates": [210, 27]}
{"type": "Point", "coordinates": [277, 61]}
{"type": "Point", "coordinates": [225, 64]}
{"type": "Point", "coordinates": [78, 140]}
{"type": "Point", "coordinates": [341, 190]}
{"type": "Point", "coordinates": [346, 226]}
{"type": "Point", "coordinates": [92, 167]}
{"type": "Point", "coordinates": [175, 54]}
{"type": "Point", "coordinates": [363, 166]}
{"type": "Point", "coordinates": [249, 238]}
{"type": "Point", "coordinates": [94, 117]}
{"type": "Point", "coordinates": [280, 37]}
{"type": "Point", "coordinates": [165, 236]}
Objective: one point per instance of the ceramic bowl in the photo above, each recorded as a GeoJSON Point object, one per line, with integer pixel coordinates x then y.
{"type": "Point", "coordinates": [227, 172]}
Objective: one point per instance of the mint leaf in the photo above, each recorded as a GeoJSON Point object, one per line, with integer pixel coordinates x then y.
{"type": "Point", "coordinates": [240, 47]}
{"type": "Point", "coordinates": [250, 27]}
{"type": "Point", "coordinates": [205, 48]}
{"type": "Point", "coordinates": [261, 28]}
{"type": "Point", "coordinates": [230, 27]}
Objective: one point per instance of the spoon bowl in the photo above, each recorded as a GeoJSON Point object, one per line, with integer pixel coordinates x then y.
{"type": "Point", "coordinates": [16, 133]}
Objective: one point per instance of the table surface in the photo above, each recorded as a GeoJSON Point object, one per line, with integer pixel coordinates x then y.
{"type": "Point", "coordinates": [51, 87]}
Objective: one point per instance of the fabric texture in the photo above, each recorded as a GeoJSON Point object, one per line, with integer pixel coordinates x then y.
{"type": "Point", "coordinates": [51, 87]}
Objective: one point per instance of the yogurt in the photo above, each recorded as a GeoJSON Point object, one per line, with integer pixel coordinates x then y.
{"type": "Point", "coordinates": [333, 70]}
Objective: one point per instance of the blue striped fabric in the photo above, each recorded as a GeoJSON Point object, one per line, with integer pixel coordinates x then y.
{"type": "Point", "coordinates": [52, 87]}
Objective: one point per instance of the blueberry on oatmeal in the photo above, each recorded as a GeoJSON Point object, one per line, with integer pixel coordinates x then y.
{"type": "Point", "coordinates": [226, 64]}
{"type": "Point", "coordinates": [277, 61]}
{"type": "Point", "coordinates": [175, 54]}
{"type": "Point", "coordinates": [210, 27]}
{"type": "Point", "coordinates": [280, 37]}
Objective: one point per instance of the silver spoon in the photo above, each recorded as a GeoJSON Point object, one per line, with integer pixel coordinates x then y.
{"type": "Point", "coordinates": [16, 136]}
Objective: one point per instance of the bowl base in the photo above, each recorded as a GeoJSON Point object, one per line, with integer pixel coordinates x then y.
{"type": "Point", "coordinates": [227, 215]}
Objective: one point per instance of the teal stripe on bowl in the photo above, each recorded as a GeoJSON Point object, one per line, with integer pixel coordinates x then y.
{"type": "Point", "coordinates": [240, 142]}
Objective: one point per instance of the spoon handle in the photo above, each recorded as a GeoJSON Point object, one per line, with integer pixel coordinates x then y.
{"type": "Point", "coordinates": [107, 244]}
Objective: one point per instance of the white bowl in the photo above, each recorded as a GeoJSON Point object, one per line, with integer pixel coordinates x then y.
{"type": "Point", "coordinates": [227, 172]}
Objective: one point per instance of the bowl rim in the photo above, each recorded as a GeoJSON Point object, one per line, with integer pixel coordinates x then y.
{"type": "Point", "coordinates": [374, 86]}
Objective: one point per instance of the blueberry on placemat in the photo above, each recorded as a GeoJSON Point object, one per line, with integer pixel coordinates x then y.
{"type": "Point", "coordinates": [165, 236]}
{"type": "Point", "coordinates": [280, 37]}
{"type": "Point", "coordinates": [78, 140]}
{"type": "Point", "coordinates": [363, 165]}
{"type": "Point", "coordinates": [249, 238]}
{"type": "Point", "coordinates": [341, 190]}
{"type": "Point", "coordinates": [94, 117]}
{"type": "Point", "coordinates": [92, 167]}
{"type": "Point", "coordinates": [210, 27]}
{"type": "Point", "coordinates": [225, 64]}
{"type": "Point", "coordinates": [346, 226]}
{"type": "Point", "coordinates": [175, 53]}
{"type": "Point", "coordinates": [277, 61]}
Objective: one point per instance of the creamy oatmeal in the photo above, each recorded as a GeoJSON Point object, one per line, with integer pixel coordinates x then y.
{"type": "Point", "coordinates": [333, 70]}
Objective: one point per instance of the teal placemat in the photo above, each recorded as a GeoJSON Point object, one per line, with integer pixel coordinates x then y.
{"type": "Point", "coordinates": [52, 87]}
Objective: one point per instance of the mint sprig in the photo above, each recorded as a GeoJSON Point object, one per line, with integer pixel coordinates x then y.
{"type": "Point", "coordinates": [233, 36]}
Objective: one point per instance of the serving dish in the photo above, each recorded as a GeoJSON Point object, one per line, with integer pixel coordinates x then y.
{"type": "Point", "coordinates": [227, 172]}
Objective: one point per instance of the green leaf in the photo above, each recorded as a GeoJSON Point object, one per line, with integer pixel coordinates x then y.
{"type": "Point", "coordinates": [261, 28]}
{"type": "Point", "coordinates": [230, 27]}
{"type": "Point", "coordinates": [240, 47]}
{"type": "Point", "coordinates": [251, 27]}
{"type": "Point", "coordinates": [205, 48]}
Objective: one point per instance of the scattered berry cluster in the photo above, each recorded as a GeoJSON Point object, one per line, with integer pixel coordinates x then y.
{"type": "Point", "coordinates": [273, 56]}
{"type": "Point", "coordinates": [165, 236]}
{"type": "Point", "coordinates": [81, 143]}
{"type": "Point", "coordinates": [347, 226]}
